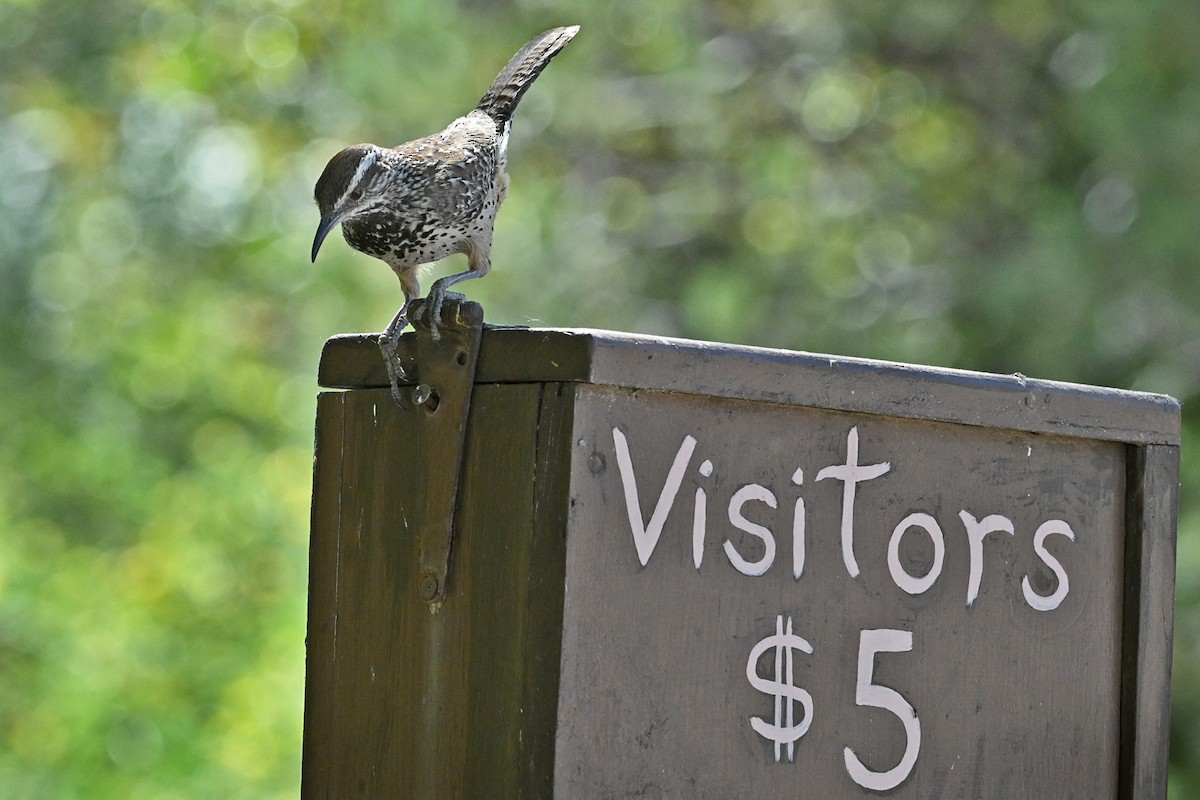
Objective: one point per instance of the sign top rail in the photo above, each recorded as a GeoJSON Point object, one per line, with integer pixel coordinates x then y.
{"type": "Point", "coordinates": [739, 372]}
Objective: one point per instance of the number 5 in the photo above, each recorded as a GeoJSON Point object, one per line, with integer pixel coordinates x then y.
{"type": "Point", "coordinates": [867, 693]}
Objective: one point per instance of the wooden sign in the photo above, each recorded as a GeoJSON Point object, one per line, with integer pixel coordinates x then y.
{"type": "Point", "coordinates": [691, 570]}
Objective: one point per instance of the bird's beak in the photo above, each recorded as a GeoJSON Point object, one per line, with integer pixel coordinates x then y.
{"type": "Point", "coordinates": [323, 230]}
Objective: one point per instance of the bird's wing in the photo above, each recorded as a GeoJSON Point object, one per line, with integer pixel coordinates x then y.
{"type": "Point", "coordinates": [455, 169]}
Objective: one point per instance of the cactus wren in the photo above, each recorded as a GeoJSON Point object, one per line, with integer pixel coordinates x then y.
{"type": "Point", "coordinates": [418, 202]}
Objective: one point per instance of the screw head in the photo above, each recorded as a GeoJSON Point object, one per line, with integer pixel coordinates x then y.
{"type": "Point", "coordinates": [429, 586]}
{"type": "Point", "coordinates": [422, 393]}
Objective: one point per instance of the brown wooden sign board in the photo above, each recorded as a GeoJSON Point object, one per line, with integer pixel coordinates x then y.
{"type": "Point", "coordinates": [691, 570]}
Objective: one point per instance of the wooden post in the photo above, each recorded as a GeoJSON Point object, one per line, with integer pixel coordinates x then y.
{"type": "Point", "coordinates": [682, 569]}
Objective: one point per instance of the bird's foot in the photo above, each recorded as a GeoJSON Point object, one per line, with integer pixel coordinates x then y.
{"type": "Point", "coordinates": [433, 308]}
{"type": "Point", "coordinates": [395, 370]}
{"type": "Point", "coordinates": [389, 342]}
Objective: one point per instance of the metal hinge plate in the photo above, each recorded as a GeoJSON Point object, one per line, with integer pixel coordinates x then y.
{"type": "Point", "coordinates": [445, 375]}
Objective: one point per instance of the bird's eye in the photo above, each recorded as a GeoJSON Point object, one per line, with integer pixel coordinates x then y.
{"type": "Point", "coordinates": [356, 195]}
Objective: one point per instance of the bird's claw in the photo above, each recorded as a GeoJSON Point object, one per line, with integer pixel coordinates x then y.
{"type": "Point", "coordinates": [388, 343]}
{"type": "Point", "coordinates": [433, 308]}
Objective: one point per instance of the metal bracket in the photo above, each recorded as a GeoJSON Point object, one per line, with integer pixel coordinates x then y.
{"type": "Point", "coordinates": [445, 372]}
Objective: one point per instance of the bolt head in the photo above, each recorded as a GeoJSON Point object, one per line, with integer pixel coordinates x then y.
{"type": "Point", "coordinates": [429, 587]}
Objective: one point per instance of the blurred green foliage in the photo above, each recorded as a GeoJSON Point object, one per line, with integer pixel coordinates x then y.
{"type": "Point", "coordinates": [1006, 185]}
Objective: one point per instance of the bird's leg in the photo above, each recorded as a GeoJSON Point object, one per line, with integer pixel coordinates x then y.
{"type": "Point", "coordinates": [389, 340]}
{"type": "Point", "coordinates": [479, 263]}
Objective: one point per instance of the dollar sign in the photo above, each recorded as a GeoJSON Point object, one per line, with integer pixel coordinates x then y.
{"type": "Point", "coordinates": [784, 730]}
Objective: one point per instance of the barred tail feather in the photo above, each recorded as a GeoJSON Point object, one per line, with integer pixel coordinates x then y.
{"type": "Point", "coordinates": [502, 97]}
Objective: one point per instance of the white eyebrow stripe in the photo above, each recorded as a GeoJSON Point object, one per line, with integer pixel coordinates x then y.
{"type": "Point", "coordinates": [365, 164]}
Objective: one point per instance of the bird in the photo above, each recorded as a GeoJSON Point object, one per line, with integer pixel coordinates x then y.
{"type": "Point", "coordinates": [418, 202]}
